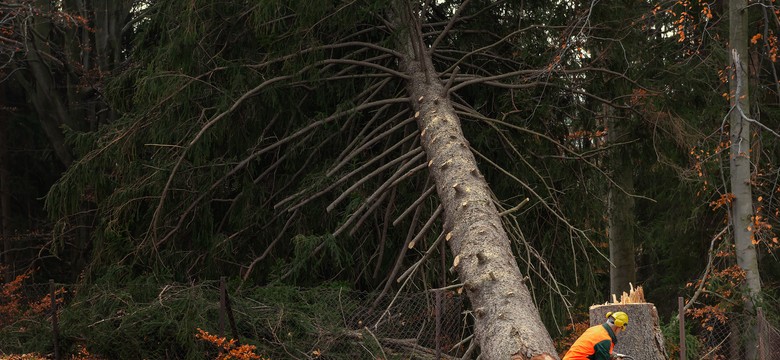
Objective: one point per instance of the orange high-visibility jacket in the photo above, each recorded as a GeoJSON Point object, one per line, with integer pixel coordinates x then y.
{"type": "Point", "coordinates": [596, 343]}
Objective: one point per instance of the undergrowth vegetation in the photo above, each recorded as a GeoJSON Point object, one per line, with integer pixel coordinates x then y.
{"type": "Point", "coordinates": [146, 320]}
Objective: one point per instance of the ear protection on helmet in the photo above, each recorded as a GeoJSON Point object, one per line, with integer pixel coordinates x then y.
{"type": "Point", "coordinates": [620, 319]}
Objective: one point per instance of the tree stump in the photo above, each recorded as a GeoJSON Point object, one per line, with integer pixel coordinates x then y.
{"type": "Point", "coordinates": [642, 339]}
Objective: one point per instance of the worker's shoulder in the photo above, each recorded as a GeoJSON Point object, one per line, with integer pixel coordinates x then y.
{"type": "Point", "coordinates": [597, 330]}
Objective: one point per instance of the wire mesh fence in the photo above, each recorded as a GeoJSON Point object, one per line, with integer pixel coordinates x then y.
{"type": "Point", "coordinates": [735, 336]}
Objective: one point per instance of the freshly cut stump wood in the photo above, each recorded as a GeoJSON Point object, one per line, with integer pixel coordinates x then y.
{"type": "Point", "coordinates": [642, 338]}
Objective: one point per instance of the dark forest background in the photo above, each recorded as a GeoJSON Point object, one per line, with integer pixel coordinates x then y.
{"type": "Point", "coordinates": [270, 142]}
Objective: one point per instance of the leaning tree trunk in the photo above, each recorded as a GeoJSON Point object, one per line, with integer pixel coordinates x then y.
{"type": "Point", "coordinates": [507, 321]}
{"type": "Point", "coordinates": [642, 338]}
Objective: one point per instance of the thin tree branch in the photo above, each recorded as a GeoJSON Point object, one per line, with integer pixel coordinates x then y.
{"type": "Point", "coordinates": [449, 26]}
{"type": "Point", "coordinates": [426, 226]}
{"type": "Point", "coordinates": [345, 177]}
{"type": "Point", "coordinates": [400, 258]}
{"type": "Point", "coordinates": [383, 235]}
{"type": "Point", "coordinates": [368, 212]}
{"type": "Point", "coordinates": [374, 139]}
{"type": "Point", "coordinates": [414, 205]}
{"type": "Point", "coordinates": [710, 258]}
{"type": "Point", "coordinates": [378, 191]}
{"type": "Point", "coordinates": [209, 124]}
{"type": "Point", "coordinates": [517, 207]}
{"type": "Point", "coordinates": [463, 58]}
{"type": "Point", "coordinates": [409, 174]}
{"type": "Point", "coordinates": [544, 203]}
{"type": "Point", "coordinates": [273, 146]}
{"type": "Point", "coordinates": [414, 154]}
{"type": "Point", "coordinates": [328, 47]}
{"type": "Point", "coordinates": [412, 269]}
{"type": "Point", "coordinates": [359, 136]}
{"type": "Point", "coordinates": [479, 116]}
{"type": "Point", "coordinates": [268, 248]}
{"type": "Point", "coordinates": [367, 64]}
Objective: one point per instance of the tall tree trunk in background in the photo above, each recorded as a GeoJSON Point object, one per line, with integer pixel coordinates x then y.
{"type": "Point", "coordinates": [110, 19]}
{"type": "Point", "coordinates": [40, 88]}
{"type": "Point", "coordinates": [508, 324]}
{"type": "Point", "coordinates": [82, 61]}
{"type": "Point", "coordinates": [739, 159]}
{"type": "Point", "coordinates": [5, 199]}
{"type": "Point", "coordinates": [620, 213]}
{"type": "Point", "coordinates": [64, 77]}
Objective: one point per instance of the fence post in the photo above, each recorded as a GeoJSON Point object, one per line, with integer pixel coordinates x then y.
{"type": "Point", "coordinates": [222, 306]}
{"type": "Point", "coordinates": [226, 310]}
{"type": "Point", "coordinates": [438, 323]}
{"type": "Point", "coordinates": [761, 329]}
{"type": "Point", "coordinates": [681, 318]}
{"type": "Point", "coordinates": [54, 326]}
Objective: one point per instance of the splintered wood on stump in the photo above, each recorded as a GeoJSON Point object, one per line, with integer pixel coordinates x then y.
{"type": "Point", "coordinates": [642, 338]}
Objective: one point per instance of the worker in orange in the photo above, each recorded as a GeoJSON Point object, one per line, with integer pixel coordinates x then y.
{"type": "Point", "coordinates": [597, 342]}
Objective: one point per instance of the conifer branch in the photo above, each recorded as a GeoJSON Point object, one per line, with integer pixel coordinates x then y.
{"type": "Point", "coordinates": [415, 154]}
{"type": "Point", "coordinates": [255, 181]}
{"type": "Point", "coordinates": [467, 65]}
{"type": "Point", "coordinates": [382, 188]}
{"type": "Point", "coordinates": [542, 201]}
{"type": "Point", "coordinates": [302, 168]}
{"type": "Point", "coordinates": [367, 64]}
{"type": "Point", "coordinates": [710, 258]}
{"type": "Point", "coordinates": [253, 156]}
{"type": "Point", "coordinates": [369, 212]}
{"type": "Point", "coordinates": [447, 28]}
{"type": "Point", "coordinates": [409, 174]}
{"type": "Point", "coordinates": [413, 268]}
{"type": "Point", "coordinates": [327, 47]}
{"type": "Point", "coordinates": [552, 284]}
{"type": "Point", "coordinates": [348, 151]}
{"type": "Point", "coordinates": [279, 161]}
{"type": "Point", "coordinates": [374, 138]}
{"type": "Point", "coordinates": [479, 50]}
{"type": "Point", "coordinates": [399, 259]}
{"type": "Point", "coordinates": [414, 205]}
{"type": "Point", "coordinates": [374, 59]}
{"type": "Point", "coordinates": [374, 90]}
{"type": "Point", "coordinates": [345, 177]}
{"type": "Point", "coordinates": [383, 234]}
{"type": "Point", "coordinates": [490, 80]}
{"type": "Point", "coordinates": [428, 224]}
{"type": "Point", "coordinates": [268, 248]}
{"type": "Point", "coordinates": [209, 124]}
{"type": "Point", "coordinates": [473, 113]}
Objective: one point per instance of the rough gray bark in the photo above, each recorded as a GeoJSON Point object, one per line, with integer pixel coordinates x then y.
{"type": "Point", "coordinates": [739, 160]}
{"type": "Point", "coordinates": [642, 338]}
{"type": "Point", "coordinates": [507, 323]}
{"type": "Point", "coordinates": [620, 211]}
